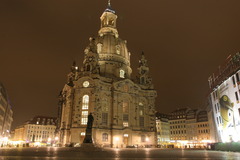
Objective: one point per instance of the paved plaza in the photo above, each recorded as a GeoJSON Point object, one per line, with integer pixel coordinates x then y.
{"type": "Point", "coordinates": [113, 154]}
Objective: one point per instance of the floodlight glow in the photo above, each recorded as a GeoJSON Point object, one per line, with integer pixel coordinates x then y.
{"type": "Point", "coordinates": [206, 141]}
{"type": "Point", "coordinates": [37, 143]}
{"type": "Point", "coordinates": [5, 139]}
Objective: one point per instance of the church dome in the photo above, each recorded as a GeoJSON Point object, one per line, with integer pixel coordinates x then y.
{"type": "Point", "coordinates": [114, 48]}
{"type": "Point", "coordinates": [113, 55]}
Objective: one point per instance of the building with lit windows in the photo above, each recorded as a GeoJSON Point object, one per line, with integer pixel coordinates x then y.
{"type": "Point", "coordinates": [6, 115]}
{"type": "Point", "coordinates": [223, 100]}
{"type": "Point", "coordinates": [40, 129]}
{"type": "Point", "coordinates": [189, 128]}
{"type": "Point", "coordinates": [123, 107]}
{"type": "Point", "coordinates": [163, 130]}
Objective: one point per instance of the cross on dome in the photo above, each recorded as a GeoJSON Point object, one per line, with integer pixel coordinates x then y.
{"type": "Point", "coordinates": [109, 8]}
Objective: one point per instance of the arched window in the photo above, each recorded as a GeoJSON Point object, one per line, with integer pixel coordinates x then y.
{"type": "Point", "coordinates": [99, 47]}
{"type": "Point", "coordinates": [85, 102]}
{"type": "Point", "coordinates": [141, 109]}
{"type": "Point", "coordinates": [104, 137]}
{"type": "Point", "coordinates": [88, 67]}
{"type": "Point", "coordinates": [118, 49]}
{"type": "Point", "coordinates": [122, 73]}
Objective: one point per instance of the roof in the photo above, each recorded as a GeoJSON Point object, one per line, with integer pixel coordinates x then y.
{"type": "Point", "coordinates": [42, 120]}
{"type": "Point", "coordinates": [109, 8]}
{"type": "Point", "coordinates": [226, 70]}
{"type": "Point", "coordinates": [162, 117]}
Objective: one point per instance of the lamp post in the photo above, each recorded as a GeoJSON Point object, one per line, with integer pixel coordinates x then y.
{"type": "Point", "coordinates": [147, 140]}
{"type": "Point", "coordinates": [49, 141]}
{"type": "Point", "coordinates": [117, 139]}
{"type": "Point", "coordinates": [56, 141]}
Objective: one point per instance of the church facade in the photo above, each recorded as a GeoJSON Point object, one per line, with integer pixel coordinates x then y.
{"type": "Point", "coordinates": [123, 108]}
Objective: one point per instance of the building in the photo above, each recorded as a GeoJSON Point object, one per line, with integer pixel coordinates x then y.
{"type": "Point", "coordinates": [223, 100]}
{"type": "Point", "coordinates": [189, 128]}
{"type": "Point", "coordinates": [123, 108]}
{"type": "Point", "coordinates": [6, 115]}
{"type": "Point", "coordinates": [163, 130]}
{"type": "Point", "coordinates": [40, 129]}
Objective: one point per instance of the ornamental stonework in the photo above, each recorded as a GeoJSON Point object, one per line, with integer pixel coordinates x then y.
{"type": "Point", "coordinates": [123, 107]}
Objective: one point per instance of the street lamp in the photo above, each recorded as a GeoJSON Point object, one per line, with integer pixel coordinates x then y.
{"type": "Point", "coordinates": [49, 140]}
{"type": "Point", "coordinates": [56, 140]}
{"type": "Point", "coordinates": [117, 139]}
{"type": "Point", "coordinates": [147, 140]}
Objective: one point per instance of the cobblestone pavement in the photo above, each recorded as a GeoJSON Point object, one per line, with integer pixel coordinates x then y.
{"type": "Point", "coordinates": [53, 153]}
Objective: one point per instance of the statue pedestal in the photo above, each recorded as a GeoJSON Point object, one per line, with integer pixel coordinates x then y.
{"type": "Point", "coordinates": [87, 144]}
{"type": "Point", "coordinates": [89, 147]}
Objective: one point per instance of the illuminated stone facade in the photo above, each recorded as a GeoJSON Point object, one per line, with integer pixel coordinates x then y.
{"type": "Point", "coordinates": [6, 113]}
{"type": "Point", "coordinates": [189, 128]}
{"type": "Point", "coordinates": [123, 108]}
{"type": "Point", "coordinates": [39, 129]}
{"type": "Point", "coordinates": [224, 101]}
{"type": "Point", "coordinates": [163, 130]}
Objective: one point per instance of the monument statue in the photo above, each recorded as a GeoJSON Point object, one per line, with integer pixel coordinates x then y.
{"type": "Point", "coordinates": [88, 135]}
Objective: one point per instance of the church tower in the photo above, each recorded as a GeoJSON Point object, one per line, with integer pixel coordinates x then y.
{"type": "Point", "coordinates": [123, 108]}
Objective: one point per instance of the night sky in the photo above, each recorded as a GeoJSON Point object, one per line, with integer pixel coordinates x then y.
{"type": "Point", "coordinates": [184, 41]}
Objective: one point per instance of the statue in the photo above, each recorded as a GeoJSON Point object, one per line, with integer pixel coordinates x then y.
{"type": "Point", "coordinates": [88, 137]}
{"type": "Point", "coordinates": [90, 121]}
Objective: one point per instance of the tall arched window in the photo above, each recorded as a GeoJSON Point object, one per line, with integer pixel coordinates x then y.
{"type": "Point", "coordinates": [141, 109]}
{"type": "Point", "coordinates": [85, 102]}
{"type": "Point", "coordinates": [125, 114]}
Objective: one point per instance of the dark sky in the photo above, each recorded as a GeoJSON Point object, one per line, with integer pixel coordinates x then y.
{"type": "Point", "coordinates": [183, 40]}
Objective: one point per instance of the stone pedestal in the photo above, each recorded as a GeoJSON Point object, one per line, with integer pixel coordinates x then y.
{"type": "Point", "coordinates": [89, 147]}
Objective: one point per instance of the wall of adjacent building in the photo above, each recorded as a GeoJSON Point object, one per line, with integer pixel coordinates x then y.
{"type": "Point", "coordinates": [225, 109]}
{"type": "Point", "coordinates": [6, 113]}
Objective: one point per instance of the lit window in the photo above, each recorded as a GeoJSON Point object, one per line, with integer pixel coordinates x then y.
{"type": "Point", "coordinates": [125, 120]}
{"type": "Point", "coordinates": [141, 110]}
{"type": "Point", "coordinates": [84, 117]}
{"type": "Point", "coordinates": [85, 102]}
{"type": "Point", "coordinates": [122, 73]}
{"type": "Point", "coordinates": [99, 47]}
{"type": "Point", "coordinates": [125, 107]}
{"type": "Point", "coordinates": [82, 133]}
{"type": "Point", "coordinates": [85, 113]}
{"type": "Point", "coordinates": [84, 121]}
{"type": "Point", "coordinates": [125, 124]}
{"type": "Point", "coordinates": [118, 49]}
{"type": "Point", "coordinates": [125, 135]}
